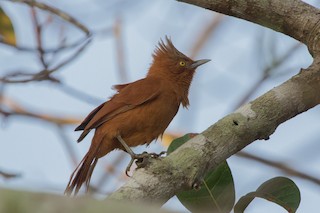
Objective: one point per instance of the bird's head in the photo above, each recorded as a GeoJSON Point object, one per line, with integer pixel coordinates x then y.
{"type": "Point", "coordinates": [170, 62]}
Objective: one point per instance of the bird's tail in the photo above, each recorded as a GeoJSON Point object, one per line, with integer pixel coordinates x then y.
{"type": "Point", "coordinates": [82, 174]}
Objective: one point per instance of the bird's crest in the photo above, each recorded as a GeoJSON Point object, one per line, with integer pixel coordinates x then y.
{"type": "Point", "coordinates": [167, 49]}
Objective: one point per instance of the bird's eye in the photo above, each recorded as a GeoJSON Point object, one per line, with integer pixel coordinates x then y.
{"type": "Point", "coordinates": [182, 63]}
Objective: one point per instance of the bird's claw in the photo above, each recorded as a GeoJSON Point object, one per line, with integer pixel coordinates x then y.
{"type": "Point", "coordinates": [152, 154]}
{"type": "Point", "coordinates": [141, 159]}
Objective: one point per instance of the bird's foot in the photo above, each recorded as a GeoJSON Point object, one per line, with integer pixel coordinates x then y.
{"type": "Point", "coordinates": [142, 159]}
{"type": "Point", "coordinates": [155, 155]}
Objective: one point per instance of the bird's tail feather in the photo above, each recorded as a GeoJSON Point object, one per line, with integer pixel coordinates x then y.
{"type": "Point", "coordinates": [82, 174]}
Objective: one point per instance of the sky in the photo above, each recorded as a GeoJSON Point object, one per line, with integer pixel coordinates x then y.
{"type": "Point", "coordinates": [239, 51]}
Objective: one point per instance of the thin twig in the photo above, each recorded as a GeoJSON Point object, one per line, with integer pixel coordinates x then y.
{"type": "Point", "coordinates": [44, 74]}
{"type": "Point", "coordinates": [79, 94]}
{"type": "Point", "coordinates": [266, 73]}
{"type": "Point", "coordinates": [279, 165]}
{"type": "Point", "coordinates": [120, 51]}
{"type": "Point", "coordinates": [60, 48]}
{"type": "Point", "coordinates": [8, 175]}
{"type": "Point", "coordinates": [205, 35]}
{"type": "Point", "coordinates": [55, 11]}
{"type": "Point", "coordinates": [12, 108]}
{"type": "Point", "coordinates": [25, 77]}
{"type": "Point", "coordinates": [67, 144]}
{"type": "Point", "coordinates": [71, 58]}
{"type": "Point", "coordinates": [38, 35]}
{"type": "Point", "coordinates": [109, 170]}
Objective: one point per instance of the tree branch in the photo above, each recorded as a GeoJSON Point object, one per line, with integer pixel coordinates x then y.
{"type": "Point", "coordinates": [291, 17]}
{"type": "Point", "coordinates": [29, 202]}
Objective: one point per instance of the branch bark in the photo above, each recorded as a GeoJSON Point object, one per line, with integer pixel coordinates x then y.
{"type": "Point", "coordinates": [294, 18]}
{"type": "Point", "coordinates": [162, 178]}
{"type": "Point", "coordinates": [30, 202]}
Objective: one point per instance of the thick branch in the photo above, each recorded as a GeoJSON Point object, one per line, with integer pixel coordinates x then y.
{"type": "Point", "coordinates": [30, 202]}
{"type": "Point", "coordinates": [255, 120]}
{"type": "Point", "coordinates": [291, 17]}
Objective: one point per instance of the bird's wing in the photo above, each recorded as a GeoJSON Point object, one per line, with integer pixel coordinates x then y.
{"type": "Point", "coordinates": [128, 97]}
{"type": "Point", "coordinates": [89, 117]}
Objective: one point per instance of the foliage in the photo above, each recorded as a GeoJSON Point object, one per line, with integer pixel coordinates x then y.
{"type": "Point", "coordinates": [6, 29]}
{"type": "Point", "coordinates": [217, 191]}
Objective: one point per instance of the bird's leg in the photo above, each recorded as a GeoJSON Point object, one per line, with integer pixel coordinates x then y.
{"type": "Point", "coordinates": [135, 156]}
{"type": "Point", "coordinates": [125, 145]}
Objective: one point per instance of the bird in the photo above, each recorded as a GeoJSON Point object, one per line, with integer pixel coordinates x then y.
{"type": "Point", "coordinates": [138, 113]}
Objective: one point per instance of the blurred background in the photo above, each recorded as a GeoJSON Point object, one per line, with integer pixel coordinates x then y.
{"type": "Point", "coordinates": [54, 71]}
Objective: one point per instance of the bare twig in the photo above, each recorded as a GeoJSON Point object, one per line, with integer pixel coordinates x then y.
{"type": "Point", "coordinates": [44, 74]}
{"type": "Point", "coordinates": [279, 165]}
{"type": "Point", "coordinates": [71, 58]}
{"type": "Point", "coordinates": [202, 38]}
{"type": "Point", "coordinates": [8, 175]}
{"type": "Point", "coordinates": [79, 94]}
{"type": "Point", "coordinates": [57, 12]}
{"type": "Point", "coordinates": [67, 144]}
{"type": "Point", "coordinates": [120, 51]}
{"type": "Point", "coordinates": [205, 35]}
{"type": "Point", "coordinates": [60, 48]}
{"type": "Point", "coordinates": [15, 109]}
{"type": "Point", "coordinates": [15, 77]}
{"type": "Point", "coordinates": [109, 170]}
{"type": "Point", "coordinates": [267, 72]}
{"type": "Point", "coordinates": [38, 34]}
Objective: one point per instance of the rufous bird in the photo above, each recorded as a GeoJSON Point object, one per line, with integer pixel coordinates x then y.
{"type": "Point", "coordinates": [138, 113]}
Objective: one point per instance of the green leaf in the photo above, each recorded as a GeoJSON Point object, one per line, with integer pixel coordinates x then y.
{"type": "Point", "coordinates": [6, 29]}
{"type": "Point", "coordinates": [216, 193]}
{"type": "Point", "coordinates": [179, 141]}
{"type": "Point", "coordinates": [280, 190]}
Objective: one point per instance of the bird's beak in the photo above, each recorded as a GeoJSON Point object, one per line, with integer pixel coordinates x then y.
{"type": "Point", "coordinates": [199, 63]}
